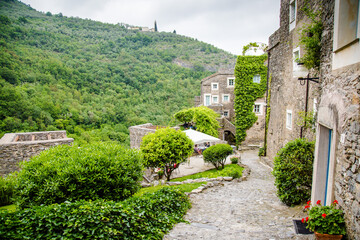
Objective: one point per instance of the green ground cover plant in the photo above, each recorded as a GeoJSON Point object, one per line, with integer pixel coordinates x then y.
{"type": "Point", "coordinates": [231, 170]}
{"type": "Point", "coordinates": [293, 168]}
{"type": "Point", "coordinates": [182, 188]}
{"type": "Point", "coordinates": [65, 173]}
{"type": "Point", "coordinates": [147, 217]}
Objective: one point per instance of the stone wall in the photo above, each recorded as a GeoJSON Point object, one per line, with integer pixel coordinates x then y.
{"type": "Point", "coordinates": [343, 84]}
{"type": "Point", "coordinates": [17, 147]}
{"type": "Point", "coordinates": [287, 94]}
{"type": "Point", "coordinates": [139, 131]}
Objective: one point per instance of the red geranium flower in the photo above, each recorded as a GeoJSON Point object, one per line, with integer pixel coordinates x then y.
{"type": "Point", "coordinates": [308, 203]}
{"type": "Point", "coordinates": [318, 202]}
{"type": "Point", "coordinates": [323, 215]}
{"type": "Point", "coordinates": [307, 219]}
{"type": "Point", "coordinates": [307, 206]}
{"type": "Point", "coordinates": [336, 202]}
{"type": "Point", "coordinates": [303, 220]}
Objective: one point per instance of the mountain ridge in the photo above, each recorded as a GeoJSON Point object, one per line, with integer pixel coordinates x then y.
{"type": "Point", "coordinates": [94, 79]}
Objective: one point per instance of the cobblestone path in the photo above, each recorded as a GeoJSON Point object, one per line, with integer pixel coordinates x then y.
{"type": "Point", "coordinates": [240, 210]}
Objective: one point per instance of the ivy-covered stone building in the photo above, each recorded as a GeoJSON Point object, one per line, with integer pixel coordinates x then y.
{"type": "Point", "coordinates": [335, 99]}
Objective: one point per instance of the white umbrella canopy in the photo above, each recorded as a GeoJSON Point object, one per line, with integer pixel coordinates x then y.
{"type": "Point", "coordinates": [199, 137]}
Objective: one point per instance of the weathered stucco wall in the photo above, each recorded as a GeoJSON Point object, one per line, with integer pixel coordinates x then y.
{"type": "Point", "coordinates": [17, 147]}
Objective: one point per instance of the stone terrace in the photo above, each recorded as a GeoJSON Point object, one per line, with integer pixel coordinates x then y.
{"type": "Point", "coordinates": [17, 147]}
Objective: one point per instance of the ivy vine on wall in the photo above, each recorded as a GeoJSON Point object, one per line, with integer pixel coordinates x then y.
{"type": "Point", "coordinates": [310, 38]}
{"type": "Point", "coordinates": [247, 91]}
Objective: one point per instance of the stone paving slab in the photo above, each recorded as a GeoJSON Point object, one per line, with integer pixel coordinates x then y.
{"type": "Point", "coordinates": [240, 210]}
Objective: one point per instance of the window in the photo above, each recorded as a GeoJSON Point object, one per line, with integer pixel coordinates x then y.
{"type": "Point", "coordinates": [207, 98]}
{"type": "Point", "coordinates": [214, 86]}
{"type": "Point", "coordinates": [346, 42]}
{"type": "Point", "coordinates": [346, 17]}
{"type": "Point", "coordinates": [256, 78]}
{"type": "Point", "coordinates": [296, 56]}
{"type": "Point", "coordinates": [226, 113]}
{"type": "Point", "coordinates": [215, 99]}
{"type": "Point", "coordinates": [231, 82]}
{"type": "Point", "coordinates": [289, 119]}
{"type": "Point", "coordinates": [257, 109]}
{"type": "Point", "coordinates": [226, 98]}
{"type": "Point", "coordinates": [292, 14]}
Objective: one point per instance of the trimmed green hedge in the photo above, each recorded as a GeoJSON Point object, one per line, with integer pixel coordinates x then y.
{"type": "Point", "coordinates": [65, 173]}
{"type": "Point", "coordinates": [7, 189]}
{"type": "Point", "coordinates": [146, 217]}
{"type": "Point", "coordinates": [217, 154]}
{"type": "Point", "coordinates": [293, 168]}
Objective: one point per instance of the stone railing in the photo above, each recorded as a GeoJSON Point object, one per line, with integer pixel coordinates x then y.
{"type": "Point", "coordinates": [17, 147]}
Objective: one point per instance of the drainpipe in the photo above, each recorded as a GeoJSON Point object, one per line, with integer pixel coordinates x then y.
{"type": "Point", "coordinates": [266, 101]}
{"type": "Point", "coordinates": [306, 106]}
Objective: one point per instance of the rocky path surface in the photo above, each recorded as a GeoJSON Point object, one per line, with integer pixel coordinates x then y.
{"type": "Point", "coordinates": [240, 210]}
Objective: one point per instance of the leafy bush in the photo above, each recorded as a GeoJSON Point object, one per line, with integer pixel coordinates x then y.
{"type": "Point", "coordinates": [6, 189]}
{"type": "Point", "coordinates": [216, 154]}
{"type": "Point", "coordinates": [146, 217]}
{"type": "Point", "coordinates": [166, 149]}
{"type": "Point", "coordinates": [234, 160]}
{"type": "Point", "coordinates": [261, 152]}
{"type": "Point", "coordinates": [293, 171]}
{"type": "Point", "coordinates": [66, 173]}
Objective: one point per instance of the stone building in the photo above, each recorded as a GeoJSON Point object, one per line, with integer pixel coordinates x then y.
{"type": "Point", "coordinates": [337, 151]}
{"type": "Point", "coordinates": [217, 93]}
{"type": "Point", "coordinates": [17, 147]}
{"type": "Point", "coordinates": [288, 94]}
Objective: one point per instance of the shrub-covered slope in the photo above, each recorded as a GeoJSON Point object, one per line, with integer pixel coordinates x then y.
{"type": "Point", "coordinates": [94, 79]}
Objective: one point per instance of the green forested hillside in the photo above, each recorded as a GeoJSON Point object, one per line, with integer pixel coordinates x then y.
{"type": "Point", "coordinates": [94, 79]}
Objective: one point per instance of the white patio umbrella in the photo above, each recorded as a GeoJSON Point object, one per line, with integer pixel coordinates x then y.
{"type": "Point", "coordinates": [199, 137]}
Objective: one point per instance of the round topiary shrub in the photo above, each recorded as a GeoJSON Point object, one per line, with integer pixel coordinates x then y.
{"type": "Point", "coordinates": [234, 160]}
{"type": "Point", "coordinates": [217, 154]}
{"type": "Point", "coordinates": [293, 167]}
{"type": "Point", "coordinates": [65, 173]}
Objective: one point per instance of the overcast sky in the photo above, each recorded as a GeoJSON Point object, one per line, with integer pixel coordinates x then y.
{"type": "Point", "coordinates": [227, 24]}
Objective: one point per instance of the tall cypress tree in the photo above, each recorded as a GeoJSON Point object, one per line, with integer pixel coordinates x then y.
{"type": "Point", "coordinates": [155, 27]}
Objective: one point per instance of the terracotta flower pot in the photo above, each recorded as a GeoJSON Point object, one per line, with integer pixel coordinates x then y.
{"type": "Point", "coordinates": [321, 236]}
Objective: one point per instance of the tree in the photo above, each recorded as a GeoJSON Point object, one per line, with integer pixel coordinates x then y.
{"type": "Point", "coordinates": [155, 27]}
{"type": "Point", "coordinates": [217, 154]}
{"type": "Point", "coordinates": [166, 149]}
{"type": "Point", "coordinates": [203, 117]}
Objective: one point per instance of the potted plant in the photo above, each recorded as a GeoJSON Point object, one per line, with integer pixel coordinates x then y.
{"type": "Point", "coordinates": [326, 221]}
